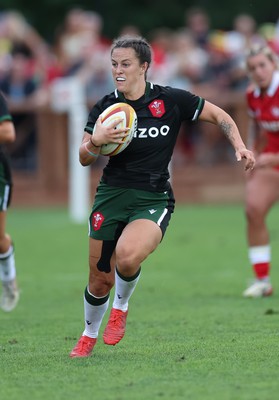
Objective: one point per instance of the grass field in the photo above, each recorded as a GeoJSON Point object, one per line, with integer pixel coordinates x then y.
{"type": "Point", "coordinates": [190, 334]}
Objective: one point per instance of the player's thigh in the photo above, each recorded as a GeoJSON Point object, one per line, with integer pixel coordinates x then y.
{"type": "Point", "coordinates": [138, 239]}
{"type": "Point", "coordinates": [2, 224]}
{"type": "Point", "coordinates": [262, 189]}
{"type": "Point", "coordinates": [5, 239]}
{"type": "Point", "coordinates": [102, 266]}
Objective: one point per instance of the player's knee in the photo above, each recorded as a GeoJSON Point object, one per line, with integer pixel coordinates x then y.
{"type": "Point", "coordinates": [100, 286]}
{"type": "Point", "coordinates": [254, 212]}
{"type": "Point", "coordinates": [5, 243]}
{"type": "Point", "coordinates": [127, 258]}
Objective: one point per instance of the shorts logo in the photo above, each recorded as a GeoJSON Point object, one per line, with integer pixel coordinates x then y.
{"type": "Point", "coordinates": [157, 108]}
{"type": "Point", "coordinates": [97, 220]}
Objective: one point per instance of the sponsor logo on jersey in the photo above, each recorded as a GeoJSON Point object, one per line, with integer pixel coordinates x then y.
{"type": "Point", "coordinates": [97, 220]}
{"type": "Point", "coordinates": [152, 132]}
{"type": "Point", "coordinates": [152, 211]}
{"type": "Point", "coordinates": [157, 108]}
{"type": "Point", "coordinates": [275, 111]}
{"type": "Point", "coordinates": [272, 126]}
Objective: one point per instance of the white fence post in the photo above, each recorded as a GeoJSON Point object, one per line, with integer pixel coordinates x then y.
{"type": "Point", "coordinates": [68, 96]}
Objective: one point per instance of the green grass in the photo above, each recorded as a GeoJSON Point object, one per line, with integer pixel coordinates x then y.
{"type": "Point", "coordinates": [190, 334]}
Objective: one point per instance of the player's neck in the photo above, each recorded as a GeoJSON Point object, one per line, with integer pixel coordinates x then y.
{"type": "Point", "coordinates": [263, 92]}
{"type": "Point", "coordinates": [137, 94]}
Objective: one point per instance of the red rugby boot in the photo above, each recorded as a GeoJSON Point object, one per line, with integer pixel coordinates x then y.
{"type": "Point", "coordinates": [115, 329]}
{"type": "Point", "coordinates": [83, 347]}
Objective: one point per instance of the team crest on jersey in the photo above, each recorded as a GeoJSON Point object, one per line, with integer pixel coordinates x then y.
{"type": "Point", "coordinates": [157, 108]}
{"type": "Point", "coordinates": [97, 220]}
{"type": "Point", "coordinates": [275, 111]}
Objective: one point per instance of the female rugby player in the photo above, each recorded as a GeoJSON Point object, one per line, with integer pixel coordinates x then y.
{"type": "Point", "coordinates": [262, 188]}
{"type": "Point", "coordinates": [134, 199]}
{"type": "Point", "coordinates": [10, 292]}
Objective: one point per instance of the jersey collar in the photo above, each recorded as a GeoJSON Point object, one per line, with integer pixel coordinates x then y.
{"type": "Point", "coordinates": [272, 87]}
{"type": "Point", "coordinates": [120, 95]}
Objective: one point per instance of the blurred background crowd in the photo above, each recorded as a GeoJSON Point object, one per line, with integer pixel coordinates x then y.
{"type": "Point", "coordinates": [195, 56]}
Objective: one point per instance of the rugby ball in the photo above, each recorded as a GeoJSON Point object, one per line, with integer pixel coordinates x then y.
{"type": "Point", "coordinates": [129, 120]}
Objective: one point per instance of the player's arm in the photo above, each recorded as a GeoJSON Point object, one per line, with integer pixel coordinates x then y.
{"type": "Point", "coordinates": [88, 151]}
{"type": "Point", "coordinates": [256, 138]}
{"type": "Point", "coordinates": [267, 160]}
{"type": "Point", "coordinates": [91, 144]}
{"type": "Point", "coordinates": [252, 134]}
{"type": "Point", "coordinates": [7, 131]}
{"type": "Point", "coordinates": [216, 115]}
{"type": "Point", "coordinates": [7, 128]}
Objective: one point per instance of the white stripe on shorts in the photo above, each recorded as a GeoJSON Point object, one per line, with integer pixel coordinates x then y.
{"type": "Point", "coordinates": [162, 217]}
{"type": "Point", "coordinates": [6, 197]}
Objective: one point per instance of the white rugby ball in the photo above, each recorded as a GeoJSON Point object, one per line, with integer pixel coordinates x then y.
{"type": "Point", "coordinates": [129, 120]}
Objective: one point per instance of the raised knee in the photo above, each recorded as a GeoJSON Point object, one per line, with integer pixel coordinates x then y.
{"type": "Point", "coordinates": [127, 259]}
{"type": "Point", "coordinates": [100, 286]}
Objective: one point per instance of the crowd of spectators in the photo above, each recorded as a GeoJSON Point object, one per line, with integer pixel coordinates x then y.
{"type": "Point", "coordinates": [195, 56]}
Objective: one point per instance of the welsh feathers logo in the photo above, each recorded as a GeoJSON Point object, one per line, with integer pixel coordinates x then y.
{"type": "Point", "coordinates": [157, 108]}
{"type": "Point", "coordinates": [97, 220]}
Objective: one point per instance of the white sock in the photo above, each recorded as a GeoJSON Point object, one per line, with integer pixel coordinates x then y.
{"type": "Point", "coordinates": [259, 254]}
{"type": "Point", "coordinates": [7, 265]}
{"type": "Point", "coordinates": [94, 311]}
{"type": "Point", "coordinates": [124, 289]}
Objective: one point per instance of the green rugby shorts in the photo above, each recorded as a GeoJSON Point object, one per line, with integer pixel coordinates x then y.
{"type": "Point", "coordinates": [5, 187]}
{"type": "Point", "coordinates": [115, 207]}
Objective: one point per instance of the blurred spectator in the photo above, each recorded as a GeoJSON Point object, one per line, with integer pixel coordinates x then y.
{"type": "Point", "coordinates": [18, 83]}
{"type": "Point", "coordinates": [244, 33]}
{"type": "Point", "coordinates": [162, 69]}
{"type": "Point", "coordinates": [130, 30]}
{"type": "Point", "coordinates": [19, 87]}
{"type": "Point", "coordinates": [22, 75]}
{"type": "Point", "coordinates": [71, 37]}
{"type": "Point", "coordinates": [206, 44]}
{"type": "Point", "coordinates": [207, 61]}
{"type": "Point", "coordinates": [16, 31]}
{"type": "Point", "coordinates": [47, 68]}
{"type": "Point", "coordinates": [82, 51]}
{"type": "Point", "coordinates": [197, 21]}
{"type": "Point", "coordinates": [220, 62]}
{"type": "Point", "coordinates": [237, 42]}
{"type": "Point", "coordinates": [191, 60]}
{"type": "Point", "coordinates": [5, 47]}
{"type": "Point", "coordinates": [275, 41]}
{"type": "Point", "coordinates": [17, 35]}
{"type": "Point", "coordinates": [270, 33]}
{"type": "Point", "coordinates": [79, 35]}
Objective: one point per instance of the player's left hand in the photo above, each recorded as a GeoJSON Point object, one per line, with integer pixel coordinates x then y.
{"type": "Point", "coordinates": [248, 156]}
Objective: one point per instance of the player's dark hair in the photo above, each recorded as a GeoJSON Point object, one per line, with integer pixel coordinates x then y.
{"type": "Point", "coordinates": [140, 45]}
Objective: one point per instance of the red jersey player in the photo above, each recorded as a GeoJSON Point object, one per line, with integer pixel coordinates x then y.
{"type": "Point", "coordinates": [262, 189]}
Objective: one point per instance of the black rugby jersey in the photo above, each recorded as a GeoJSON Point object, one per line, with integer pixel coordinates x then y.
{"type": "Point", "coordinates": [5, 171]}
{"type": "Point", "coordinates": [144, 163]}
